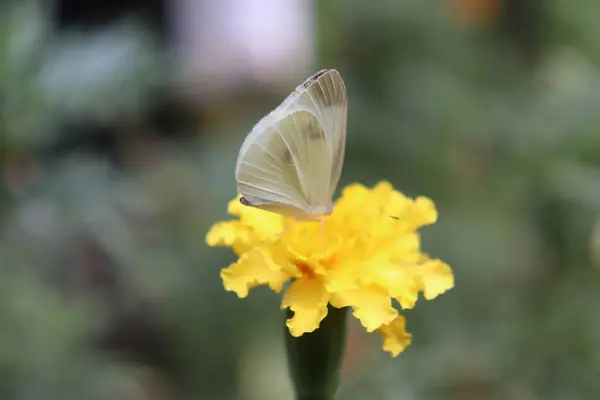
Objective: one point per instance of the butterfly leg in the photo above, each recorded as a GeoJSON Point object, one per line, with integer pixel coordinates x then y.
{"type": "Point", "coordinates": [288, 228]}
{"type": "Point", "coordinates": [322, 231]}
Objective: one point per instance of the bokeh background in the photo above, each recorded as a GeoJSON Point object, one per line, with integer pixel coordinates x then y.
{"type": "Point", "coordinates": [120, 123]}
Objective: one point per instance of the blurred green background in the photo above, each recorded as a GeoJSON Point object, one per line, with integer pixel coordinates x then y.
{"type": "Point", "coordinates": [113, 167]}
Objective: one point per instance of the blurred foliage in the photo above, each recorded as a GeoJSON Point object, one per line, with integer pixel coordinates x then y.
{"type": "Point", "coordinates": [108, 290]}
{"type": "Point", "coordinates": [48, 78]}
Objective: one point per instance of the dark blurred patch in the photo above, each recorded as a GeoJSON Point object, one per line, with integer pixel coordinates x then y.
{"type": "Point", "coordinates": [100, 13]}
{"type": "Point", "coordinates": [523, 23]}
{"type": "Point", "coordinates": [167, 118]}
{"type": "Point", "coordinates": [139, 335]}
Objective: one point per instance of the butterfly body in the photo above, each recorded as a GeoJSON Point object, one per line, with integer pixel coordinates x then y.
{"type": "Point", "coordinates": [290, 163]}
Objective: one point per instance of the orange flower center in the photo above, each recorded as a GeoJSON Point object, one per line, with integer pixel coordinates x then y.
{"type": "Point", "coordinates": [305, 269]}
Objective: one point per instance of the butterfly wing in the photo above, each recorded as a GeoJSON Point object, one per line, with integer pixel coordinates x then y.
{"type": "Point", "coordinates": [266, 174]}
{"type": "Point", "coordinates": [324, 94]}
{"type": "Point", "coordinates": [291, 161]}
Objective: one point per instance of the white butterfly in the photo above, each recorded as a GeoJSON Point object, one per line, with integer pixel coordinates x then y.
{"type": "Point", "coordinates": [291, 161]}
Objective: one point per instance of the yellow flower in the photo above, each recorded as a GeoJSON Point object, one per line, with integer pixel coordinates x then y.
{"type": "Point", "coordinates": [366, 254]}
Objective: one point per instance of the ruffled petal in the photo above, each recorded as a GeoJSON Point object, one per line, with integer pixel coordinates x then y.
{"type": "Point", "coordinates": [372, 305]}
{"type": "Point", "coordinates": [223, 233]}
{"type": "Point", "coordinates": [252, 269]}
{"type": "Point", "coordinates": [308, 299]}
{"type": "Point", "coordinates": [398, 279]}
{"type": "Point", "coordinates": [405, 248]}
{"type": "Point", "coordinates": [313, 242]}
{"type": "Point", "coordinates": [264, 224]}
{"type": "Point", "coordinates": [421, 212]}
{"type": "Point", "coordinates": [395, 337]}
{"type": "Point", "coordinates": [353, 195]}
{"type": "Point", "coordinates": [436, 278]}
{"type": "Point", "coordinates": [343, 278]}
{"type": "Point", "coordinates": [232, 234]}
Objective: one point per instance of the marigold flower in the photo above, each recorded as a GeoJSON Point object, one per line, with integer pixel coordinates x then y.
{"type": "Point", "coordinates": [366, 254]}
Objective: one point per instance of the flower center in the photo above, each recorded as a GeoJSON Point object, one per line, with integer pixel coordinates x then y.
{"type": "Point", "coordinates": [305, 269]}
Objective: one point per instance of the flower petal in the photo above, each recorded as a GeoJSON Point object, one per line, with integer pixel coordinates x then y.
{"type": "Point", "coordinates": [353, 195]}
{"type": "Point", "coordinates": [421, 212]}
{"type": "Point", "coordinates": [252, 269]}
{"type": "Point", "coordinates": [343, 278]}
{"type": "Point", "coordinates": [398, 279]}
{"type": "Point", "coordinates": [396, 204]}
{"type": "Point", "coordinates": [372, 305]}
{"type": "Point", "coordinates": [223, 233]}
{"type": "Point", "coordinates": [382, 191]}
{"type": "Point", "coordinates": [436, 278]}
{"type": "Point", "coordinates": [308, 299]}
{"type": "Point", "coordinates": [312, 245]}
{"type": "Point", "coordinates": [233, 234]}
{"type": "Point", "coordinates": [406, 248]}
{"type": "Point", "coordinates": [263, 223]}
{"type": "Point", "coordinates": [395, 337]}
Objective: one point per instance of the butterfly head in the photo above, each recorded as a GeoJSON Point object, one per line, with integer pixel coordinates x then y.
{"type": "Point", "coordinates": [245, 202]}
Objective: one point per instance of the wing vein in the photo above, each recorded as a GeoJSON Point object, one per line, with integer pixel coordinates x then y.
{"type": "Point", "coordinates": [271, 191]}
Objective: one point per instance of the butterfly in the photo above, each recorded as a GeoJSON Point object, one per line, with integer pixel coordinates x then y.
{"type": "Point", "coordinates": [291, 161]}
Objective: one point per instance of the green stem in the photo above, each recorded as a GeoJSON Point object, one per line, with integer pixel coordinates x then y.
{"type": "Point", "coordinates": [314, 359]}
